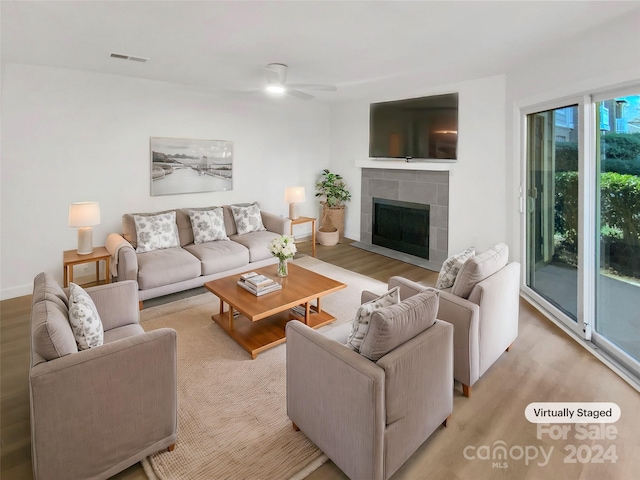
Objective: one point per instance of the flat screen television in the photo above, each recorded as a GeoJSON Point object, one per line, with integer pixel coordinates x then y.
{"type": "Point", "coordinates": [424, 128]}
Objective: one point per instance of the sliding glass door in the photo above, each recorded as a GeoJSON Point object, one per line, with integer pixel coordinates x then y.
{"type": "Point", "coordinates": [552, 207]}
{"type": "Point", "coordinates": [583, 218]}
{"type": "Point", "coordinates": [618, 224]}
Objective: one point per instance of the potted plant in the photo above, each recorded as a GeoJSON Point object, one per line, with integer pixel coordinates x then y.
{"type": "Point", "coordinates": [333, 193]}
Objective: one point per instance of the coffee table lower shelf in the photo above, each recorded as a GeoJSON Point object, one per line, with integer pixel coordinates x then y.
{"type": "Point", "coordinates": [258, 336]}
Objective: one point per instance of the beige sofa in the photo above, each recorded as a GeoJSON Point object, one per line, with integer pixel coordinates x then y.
{"type": "Point", "coordinates": [96, 412]}
{"type": "Point", "coordinates": [369, 411]}
{"type": "Point", "coordinates": [190, 265]}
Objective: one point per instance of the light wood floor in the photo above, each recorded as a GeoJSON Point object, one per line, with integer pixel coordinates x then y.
{"type": "Point", "coordinates": [543, 365]}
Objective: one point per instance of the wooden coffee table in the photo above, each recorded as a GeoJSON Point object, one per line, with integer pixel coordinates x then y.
{"type": "Point", "coordinates": [261, 322]}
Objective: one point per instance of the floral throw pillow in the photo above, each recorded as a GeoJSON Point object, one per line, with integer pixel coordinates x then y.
{"type": "Point", "coordinates": [156, 231]}
{"type": "Point", "coordinates": [84, 319]}
{"type": "Point", "coordinates": [360, 325]}
{"type": "Point", "coordinates": [451, 267]}
{"type": "Point", "coordinates": [248, 219]}
{"type": "Point", "coordinates": [208, 225]}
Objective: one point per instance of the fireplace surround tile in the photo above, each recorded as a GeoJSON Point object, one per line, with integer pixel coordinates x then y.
{"type": "Point", "coordinates": [420, 186]}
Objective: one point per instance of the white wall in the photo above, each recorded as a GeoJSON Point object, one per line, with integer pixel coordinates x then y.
{"type": "Point", "coordinates": [75, 136]}
{"type": "Point", "coordinates": [477, 211]}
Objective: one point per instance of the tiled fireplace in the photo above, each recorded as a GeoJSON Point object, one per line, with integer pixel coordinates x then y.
{"type": "Point", "coordinates": [417, 190]}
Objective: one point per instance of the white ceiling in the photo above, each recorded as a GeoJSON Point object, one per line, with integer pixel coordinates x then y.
{"type": "Point", "coordinates": [362, 47]}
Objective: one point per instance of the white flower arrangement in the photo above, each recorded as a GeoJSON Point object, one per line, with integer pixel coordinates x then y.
{"type": "Point", "coordinates": [283, 247]}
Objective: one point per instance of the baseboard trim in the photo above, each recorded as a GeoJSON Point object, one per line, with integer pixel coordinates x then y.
{"type": "Point", "coordinates": [14, 292]}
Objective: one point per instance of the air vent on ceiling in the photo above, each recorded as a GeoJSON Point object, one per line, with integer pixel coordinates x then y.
{"type": "Point", "coordinates": [129, 57]}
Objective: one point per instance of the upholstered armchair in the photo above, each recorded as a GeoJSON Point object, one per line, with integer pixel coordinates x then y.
{"type": "Point", "coordinates": [369, 411]}
{"type": "Point", "coordinates": [483, 308]}
{"type": "Point", "coordinates": [95, 412]}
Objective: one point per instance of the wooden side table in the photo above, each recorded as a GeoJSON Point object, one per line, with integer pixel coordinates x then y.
{"type": "Point", "coordinates": [71, 258]}
{"type": "Point", "coordinates": [301, 220]}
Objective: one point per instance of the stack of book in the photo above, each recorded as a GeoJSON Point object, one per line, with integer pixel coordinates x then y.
{"type": "Point", "coordinates": [258, 284]}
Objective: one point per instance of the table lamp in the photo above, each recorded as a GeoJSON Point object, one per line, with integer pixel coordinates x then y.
{"type": "Point", "coordinates": [294, 195]}
{"type": "Point", "coordinates": [83, 216]}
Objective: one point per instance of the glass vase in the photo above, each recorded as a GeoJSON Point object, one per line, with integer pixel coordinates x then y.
{"type": "Point", "coordinates": [283, 269]}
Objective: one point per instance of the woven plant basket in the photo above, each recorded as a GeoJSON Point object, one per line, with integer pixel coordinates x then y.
{"type": "Point", "coordinates": [334, 219]}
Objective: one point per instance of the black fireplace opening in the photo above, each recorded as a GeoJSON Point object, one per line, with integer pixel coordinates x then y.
{"type": "Point", "coordinates": [401, 226]}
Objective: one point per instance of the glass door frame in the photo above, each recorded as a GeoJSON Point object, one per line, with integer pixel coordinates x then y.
{"type": "Point", "coordinates": [620, 356]}
{"type": "Point", "coordinates": [589, 214]}
{"type": "Point", "coordinates": [586, 193]}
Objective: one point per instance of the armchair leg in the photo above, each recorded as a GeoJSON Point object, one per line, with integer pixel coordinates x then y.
{"type": "Point", "coordinates": [140, 305]}
{"type": "Point", "coordinates": [295, 427]}
{"type": "Point", "coordinates": [171, 447]}
{"type": "Point", "coordinates": [446, 420]}
{"type": "Point", "coordinates": [466, 390]}
{"type": "Point", "coordinates": [508, 348]}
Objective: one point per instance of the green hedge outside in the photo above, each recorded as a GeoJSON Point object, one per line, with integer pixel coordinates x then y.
{"type": "Point", "coordinates": [621, 154]}
{"type": "Point", "coordinates": [620, 219]}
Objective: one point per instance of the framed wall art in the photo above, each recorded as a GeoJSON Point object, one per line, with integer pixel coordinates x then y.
{"type": "Point", "coordinates": [181, 165]}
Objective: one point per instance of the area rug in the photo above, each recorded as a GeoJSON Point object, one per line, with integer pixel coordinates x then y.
{"type": "Point", "coordinates": [232, 418]}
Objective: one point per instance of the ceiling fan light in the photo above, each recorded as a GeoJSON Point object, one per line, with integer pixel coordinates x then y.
{"type": "Point", "coordinates": [275, 89]}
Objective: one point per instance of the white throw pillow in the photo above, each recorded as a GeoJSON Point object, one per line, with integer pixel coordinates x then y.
{"type": "Point", "coordinates": [451, 267]}
{"type": "Point", "coordinates": [156, 231]}
{"type": "Point", "coordinates": [84, 319]}
{"type": "Point", "coordinates": [248, 219]}
{"type": "Point", "coordinates": [208, 225]}
{"type": "Point", "coordinates": [360, 325]}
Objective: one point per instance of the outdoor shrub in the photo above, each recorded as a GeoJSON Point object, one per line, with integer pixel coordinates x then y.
{"type": "Point", "coordinates": [620, 220]}
{"type": "Point", "coordinates": [623, 146]}
{"type": "Point", "coordinates": [619, 165]}
{"type": "Point", "coordinates": [566, 208]}
{"type": "Point", "coordinates": [566, 157]}
{"type": "Point", "coordinates": [620, 205]}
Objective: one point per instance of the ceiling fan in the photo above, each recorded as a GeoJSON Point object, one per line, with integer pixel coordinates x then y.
{"type": "Point", "coordinates": [276, 74]}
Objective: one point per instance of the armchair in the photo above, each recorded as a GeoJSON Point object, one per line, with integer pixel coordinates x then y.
{"type": "Point", "coordinates": [96, 412]}
{"type": "Point", "coordinates": [369, 416]}
{"type": "Point", "coordinates": [483, 307]}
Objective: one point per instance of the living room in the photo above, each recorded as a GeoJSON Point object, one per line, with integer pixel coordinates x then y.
{"type": "Point", "coordinates": [76, 124]}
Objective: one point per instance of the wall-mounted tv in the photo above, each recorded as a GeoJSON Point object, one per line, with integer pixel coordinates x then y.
{"type": "Point", "coordinates": [424, 128]}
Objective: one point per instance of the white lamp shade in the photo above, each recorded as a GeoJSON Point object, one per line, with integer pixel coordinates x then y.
{"type": "Point", "coordinates": [294, 194]}
{"type": "Point", "coordinates": [84, 214]}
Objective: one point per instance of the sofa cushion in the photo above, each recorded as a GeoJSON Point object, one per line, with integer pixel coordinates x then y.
{"type": "Point", "coordinates": [451, 267]}
{"type": "Point", "coordinates": [392, 326]}
{"type": "Point", "coordinates": [156, 232]}
{"type": "Point", "coordinates": [166, 266]}
{"type": "Point", "coordinates": [207, 225]}
{"type": "Point", "coordinates": [247, 219]}
{"type": "Point", "coordinates": [339, 333]}
{"type": "Point", "coordinates": [219, 256]}
{"type": "Point", "coordinates": [84, 319]}
{"type": "Point", "coordinates": [51, 334]}
{"type": "Point", "coordinates": [360, 324]}
{"type": "Point", "coordinates": [124, 331]}
{"type": "Point", "coordinates": [478, 268]}
{"type": "Point", "coordinates": [257, 243]}
{"type": "Point", "coordinates": [182, 220]}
